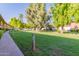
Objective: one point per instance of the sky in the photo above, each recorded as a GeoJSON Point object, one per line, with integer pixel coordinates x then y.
{"type": "Point", "coordinates": [9, 10]}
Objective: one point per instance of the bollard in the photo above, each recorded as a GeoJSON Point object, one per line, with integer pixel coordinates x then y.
{"type": "Point", "coordinates": [33, 42]}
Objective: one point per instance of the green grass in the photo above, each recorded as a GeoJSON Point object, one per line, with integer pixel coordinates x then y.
{"type": "Point", "coordinates": [1, 33]}
{"type": "Point", "coordinates": [47, 43]}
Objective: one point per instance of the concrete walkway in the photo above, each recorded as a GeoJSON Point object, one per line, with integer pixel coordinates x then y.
{"type": "Point", "coordinates": [8, 46]}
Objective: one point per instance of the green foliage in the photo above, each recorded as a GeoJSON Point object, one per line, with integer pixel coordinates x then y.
{"type": "Point", "coordinates": [2, 21]}
{"type": "Point", "coordinates": [16, 23]}
{"type": "Point", "coordinates": [21, 17]}
{"type": "Point", "coordinates": [61, 14]}
{"type": "Point", "coordinates": [37, 15]}
{"type": "Point", "coordinates": [29, 25]}
{"type": "Point", "coordinates": [13, 22]}
{"type": "Point", "coordinates": [1, 33]}
{"type": "Point", "coordinates": [76, 13]}
{"type": "Point", "coordinates": [64, 13]}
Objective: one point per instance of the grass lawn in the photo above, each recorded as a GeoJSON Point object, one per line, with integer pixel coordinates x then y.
{"type": "Point", "coordinates": [47, 43]}
{"type": "Point", "coordinates": [1, 33]}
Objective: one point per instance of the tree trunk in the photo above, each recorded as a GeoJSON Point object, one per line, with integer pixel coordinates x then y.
{"type": "Point", "coordinates": [61, 29]}
{"type": "Point", "coordinates": [33, 42]}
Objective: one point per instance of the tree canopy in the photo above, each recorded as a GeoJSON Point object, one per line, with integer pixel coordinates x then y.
{"type": "Point", "coordinates": [16, 23]}
{"type": "Point", "coordinates": [64, 13]}
{"type": "Point", "coordinates": [36, 15]}
{"type": "Point", "coordinates": [2, 21]}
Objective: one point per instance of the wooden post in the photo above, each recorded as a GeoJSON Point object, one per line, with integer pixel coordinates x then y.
{"type": "Point", "coordinates": [33, 42]}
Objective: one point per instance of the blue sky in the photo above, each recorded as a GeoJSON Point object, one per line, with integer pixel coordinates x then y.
{"type": "Point", "coordinates": [9, 10]}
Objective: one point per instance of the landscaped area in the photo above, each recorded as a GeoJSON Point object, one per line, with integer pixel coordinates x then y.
{"type": "Point", "coordinates": [47, 43]}
{"type": "Point", "coordinates": [39, 29]}
{"type": "Point", "coordinates": [1, 33]}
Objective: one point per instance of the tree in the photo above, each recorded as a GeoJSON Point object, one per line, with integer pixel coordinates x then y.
{"type": "Point", "coordinates": [21, 17]}
{"type": "Point", "coordinates": [19, 24]}
{"type": "Point", "coordinates": [2, 21]}
{"type": "Point", "coordinates": [16, 23]}
{"type": "Point", "coordinates": [76, 12]}
{"type": "Point", "coordinates": [37, 15]}
{"type": "Point", "coordinates": [13, 22]}
{"type": "Point", "coordinates": [62, 14]}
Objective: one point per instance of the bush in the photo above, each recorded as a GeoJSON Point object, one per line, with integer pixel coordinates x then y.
{"type": "Point", "coordinates": [73, 30]}
{"type": "Point", "coordinates": [1, 32]}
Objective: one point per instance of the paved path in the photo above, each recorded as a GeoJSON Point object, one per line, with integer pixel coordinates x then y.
{"type": "Point", "coordinates": [8, 46]}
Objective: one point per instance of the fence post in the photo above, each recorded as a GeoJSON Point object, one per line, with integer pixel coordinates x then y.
{"type": "Point", "coordinates": [33, 42]}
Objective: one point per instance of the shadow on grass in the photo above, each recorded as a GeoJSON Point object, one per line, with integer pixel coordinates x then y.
{"type": "Point", "coordinates": [46, 45]}
{"type": "Point", "coordinates": [72, 32]}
